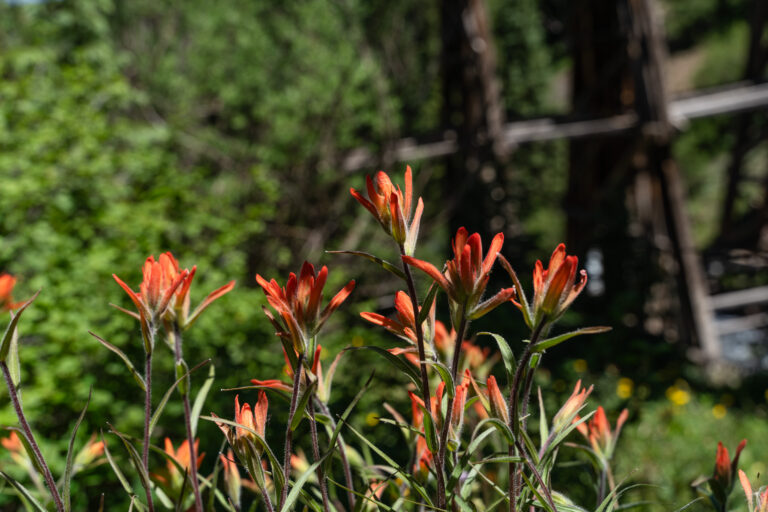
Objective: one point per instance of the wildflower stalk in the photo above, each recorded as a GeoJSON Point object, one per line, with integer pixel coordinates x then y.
{"type": "Point", "coordinates": [13, 392]}
{"type": "Point", "coordinates": [513, 405]}
{"type": "Point", "coordinates": [316, 453]}
{"type": "Point", "coordinates": [148, 415]}
{"type": "Point", "coordinates": [343, 455]}
{"type": "Point", "coordinates": [419, 332]}
{"type": "Point", "coordinates": [442, 445]}
{"type": "Point", "coordinates": [184, 390]}
{"type": "Point", "coordinates": [288, 431]}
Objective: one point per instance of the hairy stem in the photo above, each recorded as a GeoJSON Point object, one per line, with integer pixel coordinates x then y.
{"type": "Point", "coordinates": [147, 419]}
{"type": "Point", "coordinates": [425, 392]}
{"type": "Point", "coordinates": [442, 445]}
{"type": "Point", "coordinates": [343, 456]}
{"type": "Point", "coordinates": [513, 405]}
{"type": "Point", "coordinates": [187, 421]}
{"type": "Point", "coordinates": [316, 455]}
{"type": "Point", "coordinates": [288, 432]}
{"type": "Point", "coordinates": [13, 392]}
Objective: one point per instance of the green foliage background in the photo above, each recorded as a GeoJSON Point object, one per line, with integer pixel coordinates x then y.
{"type": "Point", "coordinates": [217, 131]}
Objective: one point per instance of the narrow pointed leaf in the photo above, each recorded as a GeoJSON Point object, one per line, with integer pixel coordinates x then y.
{"type": "Point", "coordinates": [556, 340]}
{"type": "Point", "coordinates": [297, 486]}
{"type": "Point", "coordinates": [135, 458]}
{"type": "Point", "coordinates": [197, 407]}
{"type": "Point", "coordinates": [445, 375]}
{"type": "Point", "coordinates": [139, 379]}
{"type": "Point", "coordinates": [5, 343]}
{"type": "Point", "coordinates": [14, 364]}
{"type": "Point", "coordinates": [161, 406]}
{"type": "Point", "coordinates": [427, 304]}
{"type": "Point", "coordinates": [118, 473]}
{"type": "Point", "coordinates": [24, 492]}
{"type": "Point", "coordinates": [27, 448]}
{"type": "Point", "coordinates": [370, 257]}
{"type": "Point", "coordinates": [301, 406]}
{"type": "Point", "coordinates": [507, 356]}
{"type": "Point", "coordinates": [406, 368]}
{"type": "Point", "coordinates": [502, 427]}
{"type": "Point", "coordinates": [345, 415]}
{"type": "Point", "coordinates": [66, 491]}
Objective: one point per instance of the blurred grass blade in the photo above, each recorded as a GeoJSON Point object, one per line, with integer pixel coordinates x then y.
{"type": "Point", "coordinates": [344, 416]}
{"type": "Point", "coordinates": [66, 491]}
{"type": "Point", "coordinates": [197, 407]}
{"type": "Point", "coordinates": [370, 257]}
{"type": "Point", "coordinates": [139, 379]}
{"type": "Point", "coordinates": [116, 469]}
{"type": "Point", "coordinates": [24, 492]}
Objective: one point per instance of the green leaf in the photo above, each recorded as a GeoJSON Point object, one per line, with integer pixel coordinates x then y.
{"type": "Point", "coordinates": [506, 353]}
{"type": "Point", "coordinates": [28, 448]}
{"type": "Point", "coordinates": [405, 474]}
{"type": "Point", "coordinates": [426, 306]}
{"type": "Point", "coordinates": [344, 416]}
{"type": "Point", "coordinates": [502, 459]}
{"type": "Point", "coordinates": [139, 379]}
{"type": "Point", "coordinates": [119, 474]}
{"type": "Point", "coordinates": [544, 502]}
{"type": "Point", "coordinates": [526, 309]}
{"type": "Point", "coordinates": [406, 368]}
{"type": "Point", "coordinates": [543, 423]}
{"type": "Point", "coordinates": [14, 364]}
{"type": "Point", "coordinates": [301, 406]}
{"type": "Point", "coordinates": [370, 257]}
{"type": "Point", "coordinates": [161, 406]}
{"type": "Point", "coordinates": [71, 457]}
{"type": "Point", "coordinates": [429, 430]}
{"type": "Point", "coordinates": [445, 375]}
{"type": "Point", "coordinates": [197, 407]}
{"type": "Point", "coordinates": [5, 343]}
{"type": "Point", "coordinates": [551, 342]}
{"type": "Point", "coordinates": [297, 485]}
{"type": "Point", "coordinates": [501, 427]}
{"type": "Point", "coordinates": [134, 456]}
{"type": "Point", "coordinates": [24, 492]}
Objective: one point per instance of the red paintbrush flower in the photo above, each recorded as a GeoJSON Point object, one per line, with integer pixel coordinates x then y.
{"type": "Point", "coordinates": [7, 282]}
{"type": "Point", "coordinates": [598, 432]}
{"type": "Point", "coordinates": [756, 501]}
{"type": "Point", "coordinates": [555, 288]}
{"type": "Point", "coordinates": [392, 208]}
{"type": "Point", "coordinates": [299, 317]}
{"type": "Point", "coordinates": [466, 275]}
{"type": "Point", "coordinates": [572, 406]}
{"type": "Point", "coordinates": [725, 467]}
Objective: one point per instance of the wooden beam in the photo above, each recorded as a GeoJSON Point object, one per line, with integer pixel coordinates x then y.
{"type": "Point", "coordinates": [740, 298]}
{"type": "Point", "coordinates": [702, 104]}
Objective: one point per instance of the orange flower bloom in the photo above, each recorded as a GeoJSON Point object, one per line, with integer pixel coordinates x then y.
{"type": "Point", "coordinates": [725, 467]}
{"type": "Point", "coordinates": [466, 275]}
{"type": "Point", "coordinates": [392, 208]}
{"type": "Point", "coordinates": [157, 288]}
{"type": "Point", "coordinates": [404, 325]}
{"type": "Point", "coordinates": [15, 447]}
{"type": "Point", "coordinates": [170, 477]}
{"type": "Point", "coordinates": [298, 306]}
{"type": "Point", "coordinates": [555, 288]}
{"type": "Point", "coordinates": [7, 282]}
{"type": "Point", "coordinates": [572, 406]}
{"type": "Point", "coordinates": [92, 450]}
{"type": "Point", "coordinates": [756, 501]}
{"type": "Point", "coordinates": [497, 405]}
{"type": "Point", "coordinates": [598, 432]}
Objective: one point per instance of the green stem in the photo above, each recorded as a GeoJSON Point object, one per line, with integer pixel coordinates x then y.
{"type": "Point", "coordinates": [288, 432]}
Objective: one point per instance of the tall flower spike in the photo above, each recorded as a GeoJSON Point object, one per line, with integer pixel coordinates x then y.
{"type": "Point", "coordinates": [157, 288]}
{"type": "Point", "coordinates": [180, 300]}
{"type": "Point", "coordinates": [722, 480]}
{"type": "Point", "coordinates": [392, 208]}
{"type": "Point", "coordinates": [299, 317]}
{"type": "Point", "coordinates": [7, 282]}
{"type": "Point", "coordinates": [555, 288]}
{"type": "Point", "coordinates": [598, 432]}
{"type": "Point", "coordinates": [466, 275]}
